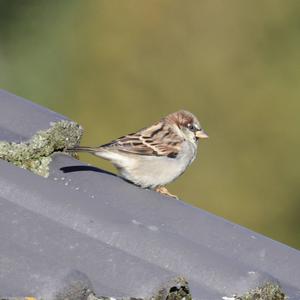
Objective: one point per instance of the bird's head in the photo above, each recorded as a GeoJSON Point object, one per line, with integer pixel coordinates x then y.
{"type": "Point", "coordinates": [187, 125]}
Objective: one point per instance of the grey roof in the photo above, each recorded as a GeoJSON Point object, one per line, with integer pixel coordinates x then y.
{"type": "Point", "coordinates": [86, 223]}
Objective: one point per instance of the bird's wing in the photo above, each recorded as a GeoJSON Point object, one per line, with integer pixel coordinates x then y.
{"type": "Point", "coordinates": [156, 140]}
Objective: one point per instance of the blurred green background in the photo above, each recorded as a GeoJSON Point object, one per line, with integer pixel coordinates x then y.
{"type": "Point", "coordinates": [117, 66]}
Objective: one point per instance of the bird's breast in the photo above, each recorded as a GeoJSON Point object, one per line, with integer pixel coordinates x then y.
{"type": "Point", "coordinates": [153, 171]}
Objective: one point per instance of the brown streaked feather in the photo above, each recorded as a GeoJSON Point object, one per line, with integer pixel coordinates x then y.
{"type": "Point", "coordinates": [157, 140]}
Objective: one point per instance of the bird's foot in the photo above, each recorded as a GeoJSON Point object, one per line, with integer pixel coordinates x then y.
{"type": "Point", "coordinates": [163, 190]}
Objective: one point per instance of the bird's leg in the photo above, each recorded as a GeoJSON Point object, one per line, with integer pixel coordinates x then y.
{"type": "Point", "coordinates": [163, 190]}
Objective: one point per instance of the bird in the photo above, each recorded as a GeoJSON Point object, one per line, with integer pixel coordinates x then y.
{"type": "Point", "coordinates": [155, 155]}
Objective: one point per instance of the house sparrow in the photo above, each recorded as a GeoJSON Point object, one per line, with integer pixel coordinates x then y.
{"type": "Point", "coordinates": [156, 155]}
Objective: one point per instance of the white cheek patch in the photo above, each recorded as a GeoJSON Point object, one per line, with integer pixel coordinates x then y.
{"type": "Point", "coordinates": [179, 132]}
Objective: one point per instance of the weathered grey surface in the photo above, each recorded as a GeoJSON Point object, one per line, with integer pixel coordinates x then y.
{"type": "Point", "coordinates": [82, 222]}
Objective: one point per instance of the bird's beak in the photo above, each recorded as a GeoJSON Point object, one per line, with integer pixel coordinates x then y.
{"type": "Point", "coordinates": [200, 134]}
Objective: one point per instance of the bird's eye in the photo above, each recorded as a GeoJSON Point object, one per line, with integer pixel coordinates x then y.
{"type": "Point", "coordinates": [191, 127]}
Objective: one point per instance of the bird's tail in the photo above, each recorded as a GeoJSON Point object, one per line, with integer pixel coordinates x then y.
{"type": "Point", "coordinates": [81, 149]}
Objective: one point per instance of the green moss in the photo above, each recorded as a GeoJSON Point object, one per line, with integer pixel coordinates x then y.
{"type": "Point", "coordinates": [268, 291]}
{"type": "Point", "coordinates": [35, 154]}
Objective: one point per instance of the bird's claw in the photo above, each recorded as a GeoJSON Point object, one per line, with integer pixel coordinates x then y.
{"type": "Point", "coordinates": [163, 190]}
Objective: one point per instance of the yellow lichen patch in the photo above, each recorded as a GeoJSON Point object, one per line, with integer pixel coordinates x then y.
{"type": "Point", "coordinates": [267, 291]}
{"type": "Point", "coordinates": [35, 154]}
